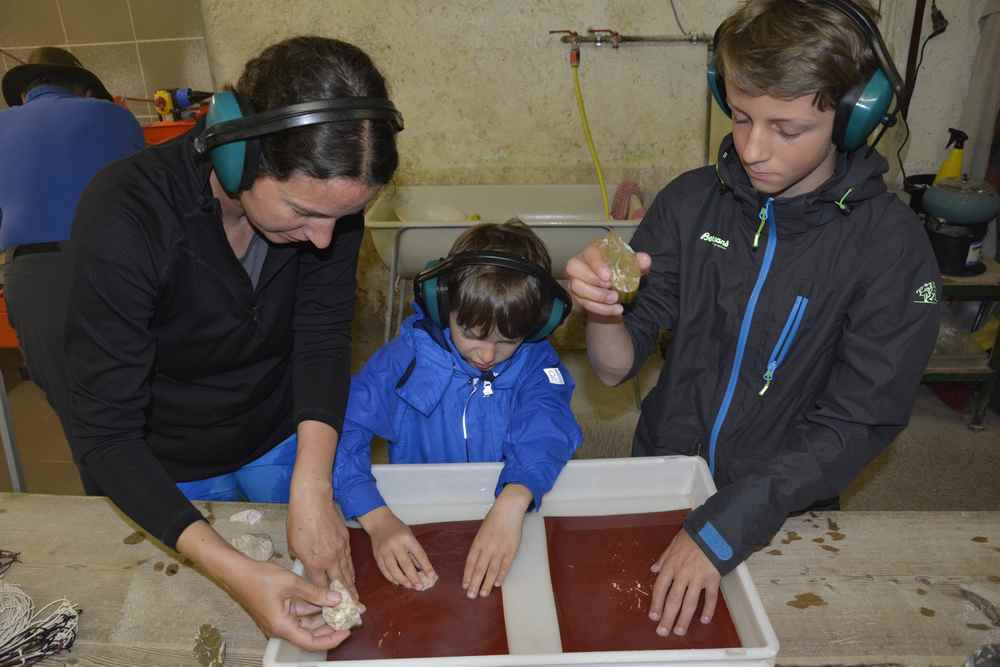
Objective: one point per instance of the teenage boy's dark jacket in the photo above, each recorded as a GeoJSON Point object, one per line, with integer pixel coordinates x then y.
{"type": "Point", "coordinates": [180, 368]}
{"type": "Point", "coordinates": [801, 328]}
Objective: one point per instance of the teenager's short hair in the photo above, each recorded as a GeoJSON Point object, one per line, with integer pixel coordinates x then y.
{"type": "Point", "coordinates": [485, 298]}
{"type": "Point", "coordinates": [789, 48]}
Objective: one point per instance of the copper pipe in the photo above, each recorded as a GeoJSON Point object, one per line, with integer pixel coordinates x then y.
{"type": "Point", "coordinates": [603, 38]}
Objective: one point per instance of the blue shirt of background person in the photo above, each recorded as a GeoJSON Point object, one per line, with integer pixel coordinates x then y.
{"type": "Point", "coordinates": [53, 145]}
{"type": "Point", "coordinates": [469, 391]}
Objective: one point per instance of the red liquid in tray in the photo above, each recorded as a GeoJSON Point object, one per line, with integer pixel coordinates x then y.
{"type": "Point", "coordinates": [600, 577]}
{"type": "Point", "coordinates": [441, 621]}
{"type": "Point", "coordinates": [603, 586]}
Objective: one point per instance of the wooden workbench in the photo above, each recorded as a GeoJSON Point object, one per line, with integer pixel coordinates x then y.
{"type": "Point", "coordinates": [886, 587]}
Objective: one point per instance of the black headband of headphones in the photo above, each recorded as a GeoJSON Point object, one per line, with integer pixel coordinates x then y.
{"type": "Point", "coordinates": [298, 115]}
{"type": "Point", "coordinates": [492, 258]}
{"type": "Point", "coordinates": [865, 25]}
{"type": "Point", "coordinates": [431, 291]}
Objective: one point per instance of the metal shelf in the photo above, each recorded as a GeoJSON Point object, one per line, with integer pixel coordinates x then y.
{"type": "Point", "coordinates": [976, 368]}
{"type": "Point", "coordinates": [958, 368]}
{"type": "Point", "coordinates": [984, 286]}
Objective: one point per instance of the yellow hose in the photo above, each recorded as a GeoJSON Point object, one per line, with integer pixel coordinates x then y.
{"type": "Point", "coordinates": [590, 142]}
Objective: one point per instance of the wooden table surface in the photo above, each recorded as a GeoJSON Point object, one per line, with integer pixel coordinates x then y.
{"type": "Point", "coordinates": [843, 588]}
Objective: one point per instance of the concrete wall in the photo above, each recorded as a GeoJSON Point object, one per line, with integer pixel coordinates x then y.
{"type": "Point", "coordinates": [487, 93]}
{"type": "Point", "coordinates": [943, 81]}
{"type": "Point", "coordinates": [488, 96]}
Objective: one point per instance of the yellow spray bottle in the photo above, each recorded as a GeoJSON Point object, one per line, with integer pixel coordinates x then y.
{"type": "Point", "coordinates": [952, 165]}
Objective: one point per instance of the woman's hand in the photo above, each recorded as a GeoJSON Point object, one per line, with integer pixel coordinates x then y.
{"type": "Point", "coordinates": [281, 603]}
{"type": "Point", "coordinates": [397, 552]}
{"type": "Point", "coordinates": [590, 281]}
{"type": "Point", "coordinates": [496, 543]}
{"type": "Point", "coordinates": [317, 534]}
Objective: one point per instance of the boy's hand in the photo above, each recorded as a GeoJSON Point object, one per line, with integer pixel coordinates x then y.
{"type": "Point", "coordinates": [497, 541]}
{"type": "Point", "coordinates": [396, 550]}
{"type": "Point", "coordinates": [685, 571]}
{"type": "Point", "coordinates": [590, 281]}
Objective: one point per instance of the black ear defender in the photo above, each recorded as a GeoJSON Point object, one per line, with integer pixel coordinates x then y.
{"type": "Point", "coordinates": [233, 130]}
{"type": "Point", "coordinates": [862, 108]}
{"type": "Point", "coordinates": [430, 288]}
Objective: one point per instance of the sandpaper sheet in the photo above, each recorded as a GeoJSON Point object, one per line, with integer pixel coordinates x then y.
{"type": "Point", "coordinates": [603, 586]}
{"type": "Point", "coordinates": [438, 622]}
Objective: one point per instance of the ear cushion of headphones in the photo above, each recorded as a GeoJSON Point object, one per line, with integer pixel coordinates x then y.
{"type": "Point", "coordinates": [860, 111]}
{"type": "Point", "coordinates": [717, 86]}
{"type": "Point", "coordinates": [425, 292]}
{"type": "Point", "coordinates": [228, 160]}
{"type": "Point", "coordinates": [557, 313]}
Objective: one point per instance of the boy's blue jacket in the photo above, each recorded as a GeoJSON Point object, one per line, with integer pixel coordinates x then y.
{"type": "Point", "coordinates": [431, 406]}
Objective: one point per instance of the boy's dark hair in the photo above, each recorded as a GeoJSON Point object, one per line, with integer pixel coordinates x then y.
{"type": "Point", "coordinates": [485, 298]}
{"type": "Point", "coordinates": [306, 69]}
{"type": "Point", "coordinates": [789, 48]}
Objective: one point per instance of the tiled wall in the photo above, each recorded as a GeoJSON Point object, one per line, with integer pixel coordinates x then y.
{"type": "Point", "coordinates": [134, 46]}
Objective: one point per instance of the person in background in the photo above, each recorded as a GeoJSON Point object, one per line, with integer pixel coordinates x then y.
{"type": "Point", "coordinates": [60, 130]}
{"type": "Point", "coordinates": [801, 294]}
{"type": "Point", "coordinates": [471, 377]}
{"type": "Point", "coordinates": [210, 320]}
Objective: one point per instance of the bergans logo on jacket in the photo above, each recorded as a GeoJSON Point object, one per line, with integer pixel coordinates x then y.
{"type": "Point", "coordinates": [795, 354]}
{"type": "Point", "coordinates": [715, 240]}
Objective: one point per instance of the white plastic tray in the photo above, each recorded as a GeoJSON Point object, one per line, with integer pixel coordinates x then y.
{"type": "Point", "coordinates": [455, 492]}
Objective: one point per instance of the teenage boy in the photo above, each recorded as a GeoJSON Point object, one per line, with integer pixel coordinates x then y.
{"type": "Point", "coordinates": [801, 295]}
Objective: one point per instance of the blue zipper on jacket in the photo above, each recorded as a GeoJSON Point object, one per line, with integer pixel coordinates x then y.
{"type": "Point", "coordinates": [785, 340]}
{"type": "Point", "coordinates": [767, 215]}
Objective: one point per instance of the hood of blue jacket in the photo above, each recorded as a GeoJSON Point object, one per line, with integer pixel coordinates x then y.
{"type": "Point", "coordinates": [438, 362]}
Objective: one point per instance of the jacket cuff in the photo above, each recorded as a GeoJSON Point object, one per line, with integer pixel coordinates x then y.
{"type": "Point", "coordinates": [508, 476]}
{"type": "Point", "coordinates": [360, 499]}
{"type": "Point", "coordinates": [710, 539]}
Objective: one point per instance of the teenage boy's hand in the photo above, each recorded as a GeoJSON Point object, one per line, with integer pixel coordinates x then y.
{"type": "Point", "coordinates": [684, 571]}
{"type": "Point", "coordinates": [497, 541]}
{"type": "Point", "coordinates": [590, 281]}
{"type": "Point", "coordinates": [397, 552]}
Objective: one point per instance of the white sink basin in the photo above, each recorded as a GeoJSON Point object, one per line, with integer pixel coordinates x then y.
{"type": "Point", "coordinates": [413, 225]}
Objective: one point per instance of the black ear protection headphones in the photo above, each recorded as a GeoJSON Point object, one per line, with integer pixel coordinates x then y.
{"type": "Point", "coordinates": [232, 129]}
{"type": "Point", "coordinates": [430, 288]}
{"type": "Point", "coordinates": [862, 108]}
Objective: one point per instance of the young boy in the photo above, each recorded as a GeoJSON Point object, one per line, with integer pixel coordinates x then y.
{"type": "Point", "coordinates": [471, 377]}
{"type": "Point", "coordinates": [800, 293]}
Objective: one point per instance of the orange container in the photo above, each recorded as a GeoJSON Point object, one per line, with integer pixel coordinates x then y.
{"type": "Point", "coordinates": [165, 130]}
{"type": "Point", "coordinates": [8, 339]}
